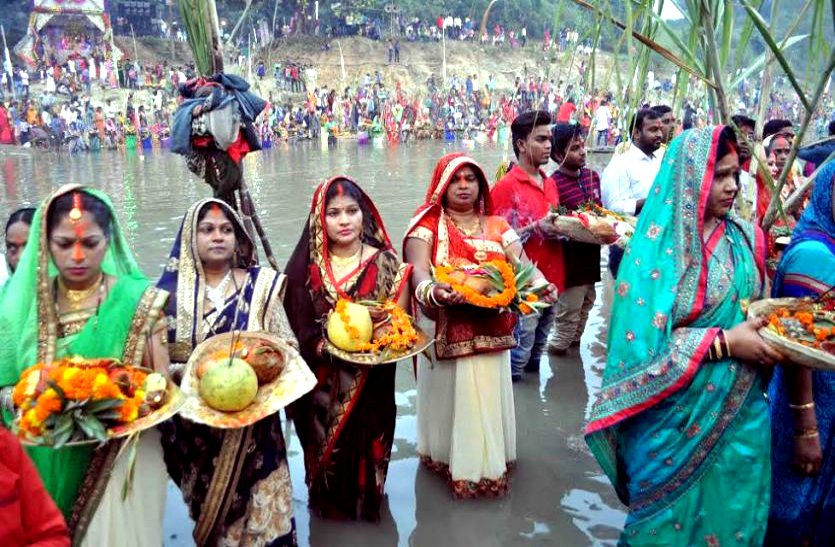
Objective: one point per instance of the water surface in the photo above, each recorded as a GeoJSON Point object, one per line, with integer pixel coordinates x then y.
{"type": "Point", "coordinates": [558, 494]}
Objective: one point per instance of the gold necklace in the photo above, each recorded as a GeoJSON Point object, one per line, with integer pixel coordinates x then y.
{"type": "Point", "coordinates": [76, 298]}
{"type": "Point", "coordinates": [340, 262]}
{"type": "Point", "coordinates": [471, 230]}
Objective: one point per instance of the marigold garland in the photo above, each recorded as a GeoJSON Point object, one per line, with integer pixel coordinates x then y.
{"type": "Point", "coordinates": [400, 336]}
{"type": "Point", "coordinates": [501, 299]}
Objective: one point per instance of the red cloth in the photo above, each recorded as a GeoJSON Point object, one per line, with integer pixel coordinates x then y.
{"type": "Point", "coordinates": [565, 112]}
{"type": "Point", "coordinates": [521, 201]}
{"type": "Point", "coordinates": [28, 516]}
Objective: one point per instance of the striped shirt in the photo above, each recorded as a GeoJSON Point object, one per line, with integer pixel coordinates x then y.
{"type": "Point", "coordinates": [582, 264]}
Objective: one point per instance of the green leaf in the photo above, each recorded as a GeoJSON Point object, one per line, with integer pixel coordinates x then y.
{"type": "Point", "coordinates": [60, 438]}
{"type": "Point", "coordinates": [727, 17]}
{"type": "Point", "coordinates": [54, 385]}
{"type": "Point", "coordinates": [683, 49]}
{"type": "Point", "coordinates": [92, 427]}
{"type": "Point", "coordinates": [104, 404]}
{"type": "Point", "coordinates": [131, 443]}
{"type": "Point", "coordinates": [650, 43]}
{"type": "Point", "coordinates": [108, 415]}
{"type": "Point", "coordinates": [745, 37]}
{"type": "Point", "coordinates": [759, 62]}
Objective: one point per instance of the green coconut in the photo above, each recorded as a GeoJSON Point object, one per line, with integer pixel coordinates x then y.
{"type": "Point", "coordinates": [229, 387]}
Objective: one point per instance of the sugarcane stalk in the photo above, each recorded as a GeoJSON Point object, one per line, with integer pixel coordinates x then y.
{"type": "Point", "coordinates": [770, 215]}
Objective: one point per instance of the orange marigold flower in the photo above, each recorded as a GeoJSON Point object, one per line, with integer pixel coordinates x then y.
{"type": "Point", "coordinates": [49, 401]}
{"type": "Point", "coordinates": [524, 308]}
{"type": "Point", "coordinates": [128, 411]}
{"type": "Point", "coordinates": [531, 297]}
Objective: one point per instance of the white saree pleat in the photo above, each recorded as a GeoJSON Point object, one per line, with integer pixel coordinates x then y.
{"type": "Point", "coordinates": [466, 416]}
{"type": "Point", "coordinates": [137, 520]}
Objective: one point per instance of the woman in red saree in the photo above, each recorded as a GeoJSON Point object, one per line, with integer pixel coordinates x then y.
{"type": "Point", "coordinates": [466, 419]}
{"type": "Point", "coordinates": [346, 424]}
{"type": "Point", "coordinates": [6, 132]}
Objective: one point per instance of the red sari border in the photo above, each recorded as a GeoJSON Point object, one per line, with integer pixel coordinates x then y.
{"type": "Point", "coordinates": [692, 367]}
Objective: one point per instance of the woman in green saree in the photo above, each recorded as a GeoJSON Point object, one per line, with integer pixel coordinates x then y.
{"type": "Point", "coordinates": [680, 425]}
{"type": "Point", "coordinates": [78, 291]}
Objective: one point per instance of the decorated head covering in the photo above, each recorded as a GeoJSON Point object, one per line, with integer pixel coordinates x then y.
{"type": "Point", "coordinates": [661, 286]}
{"type": "Point", "coordinates": [312, 254]}
{"type": "Point", "coordinates": [817, 222]}
{"type": "Point", "coordinates": [27, 313]}
{"type": "Point", "coordinates": [183, 276]}
{"type": "Point", "coordinates": [309, 269]}
{"type": "Point", "coordinates": [431, 213]}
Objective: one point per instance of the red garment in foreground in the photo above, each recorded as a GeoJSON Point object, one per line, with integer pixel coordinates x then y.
{"type": "Point", "coordinates": [518, 199]}
{"type": "Point", "coordinates": [28, 516]}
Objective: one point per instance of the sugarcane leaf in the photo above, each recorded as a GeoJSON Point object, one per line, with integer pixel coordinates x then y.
{"type": "Point", "coordinates": [745, 37]}
{"type": "Point", "coordinates": [131, 444]}
{"type": "Point", "coordinates": [727, 18]}
{"type": "Point", "coordinates": [683, 49]}
{"type": "Point", "coordinates": [759, 62]}
{"type": "Point", "coordinates": [762, 27]}
{"type": "Point", "coordinates": [655, 46]}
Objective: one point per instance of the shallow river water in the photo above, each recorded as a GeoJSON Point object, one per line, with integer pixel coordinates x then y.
{"type": "Point", "coordinates": [558, 494]}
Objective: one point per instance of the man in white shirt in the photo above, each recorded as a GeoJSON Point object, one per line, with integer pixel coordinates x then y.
{"type": "Point", "coordinates": [626, 181]}
{"type": "Point", "coordinates": [602, 119]}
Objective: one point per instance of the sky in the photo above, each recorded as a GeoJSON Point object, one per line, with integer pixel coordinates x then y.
{"type": "Point", "coordinates": [669, 12]}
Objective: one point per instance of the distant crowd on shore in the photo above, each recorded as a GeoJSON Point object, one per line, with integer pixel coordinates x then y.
{"type": "Point", "coordinates": [77, 106]}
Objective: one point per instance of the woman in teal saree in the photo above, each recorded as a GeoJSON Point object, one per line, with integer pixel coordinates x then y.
{"type": "Point", "coordinates": [680, 425]}
{"type": "Point", "coordinates": [78, 291]}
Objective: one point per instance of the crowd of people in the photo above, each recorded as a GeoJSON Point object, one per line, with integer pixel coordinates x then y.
{"type": "Point", "coordinates": [681, 424]}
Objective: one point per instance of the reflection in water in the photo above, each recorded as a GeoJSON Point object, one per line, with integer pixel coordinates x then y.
{"type": "Point", "coordinates": [558, 495]}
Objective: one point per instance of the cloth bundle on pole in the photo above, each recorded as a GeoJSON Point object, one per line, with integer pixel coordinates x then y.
{"type": "Point", "coordinates": [214, 129]}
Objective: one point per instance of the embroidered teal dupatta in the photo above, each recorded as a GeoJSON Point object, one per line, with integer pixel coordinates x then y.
{"type": "Point", "coordinates": [669, 429]}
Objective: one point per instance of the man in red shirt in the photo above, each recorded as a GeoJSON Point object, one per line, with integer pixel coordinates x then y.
{"type": "Point", "coordinates": [524, 197]}
{"type": "Point", "coordinates": [566, 111]}
{"type": "Point", "coordinates": [28, 516]}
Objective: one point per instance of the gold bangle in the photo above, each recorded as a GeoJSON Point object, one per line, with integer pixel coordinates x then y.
{"type": "Point", "coordinates": [717, 348]}
{"type": "Point", "coordinates": [807, 434]}
{"type": "Point", "coordinates": [805, 406]}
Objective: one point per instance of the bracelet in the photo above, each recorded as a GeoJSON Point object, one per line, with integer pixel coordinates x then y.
{"type": "Point", "coordinates": [718, 348]}
{"type": "Point", "coordinates": [805, 406]}
{"type": "Point", "coordinates": [420, 291]}
{"type": "Point", "coordinates": [432, 296]}
{"type": "Point", "coordinates": [807, 434]}
{"type": "Point", "coordinates": [724, 343]}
